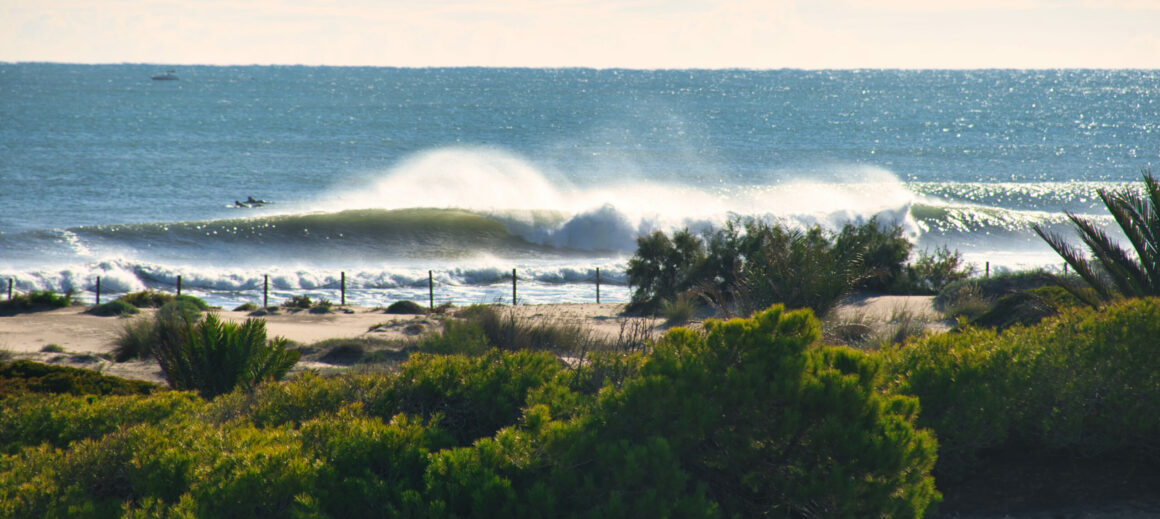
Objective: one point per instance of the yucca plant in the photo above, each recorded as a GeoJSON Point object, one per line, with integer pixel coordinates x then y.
{"type": "Point", "coordinates": [1112, 271]}
{"type": "Point", "coordinates": [214, 356]}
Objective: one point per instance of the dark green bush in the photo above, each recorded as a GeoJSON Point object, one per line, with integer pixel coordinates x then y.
{"type": "Point", "coordinates": [196, 302]}
{"type": "Point", "coordinates": [930, 273]}
{"type": "Point", "coordinates": [32, 377]}
{"type": "Point", "coordinates": [1080, 384]}
{"type": "Point", "coordinates": [406, 307]}
{"type": "Point", "coordinates": [298, 303]}
{"type": "Point", "coordinates": [471, 397]}
{"type": "Point", "coordinates": [993, 287]}
{"type": "Point", "coordinates": [748, 265]}
{"type": "Point", "coordinates": [768, 426]}
{"type": "Point", "coordinates": [663, 268]}
{"type": "Point", "coordinates": [116, 307]}
{"type": "Point", "coordinates": [212, 356]}
{"type": "Point", "coordinates": [881, 251]}
{"type": "Point", "coordinates": [146, 299]}
{"type": "Point", "coordinates": [35, 301]}
{"type": "Point", "coordinates": [165, 330]}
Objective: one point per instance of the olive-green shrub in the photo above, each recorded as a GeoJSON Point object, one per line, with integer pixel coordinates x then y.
{"type": "Point", "coordinates": [212, 356]}
{"type": "Point", "coordinates": [1085, 383]}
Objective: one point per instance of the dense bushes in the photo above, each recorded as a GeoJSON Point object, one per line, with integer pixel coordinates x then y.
{"type": "Point", "coordinates": [747, 419]}
{"type": "Point", "coordinates": [748, 265]}
{"type": "Point", "coordinates": [24, 376]}
{"type": "Point", "coordinates": [1086, 383]}
{"type": "Point", "coordinates": [35, 301]}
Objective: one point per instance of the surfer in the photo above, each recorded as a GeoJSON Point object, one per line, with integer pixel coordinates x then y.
{"type": "Point", "coordinates": [255, 203]}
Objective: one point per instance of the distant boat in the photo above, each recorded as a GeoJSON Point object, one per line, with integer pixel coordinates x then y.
{"type": "Point", "coordinates": [167, 76]}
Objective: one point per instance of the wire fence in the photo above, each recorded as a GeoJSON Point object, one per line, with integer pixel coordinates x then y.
{"type": "Point", "coordinates": [341, 286]}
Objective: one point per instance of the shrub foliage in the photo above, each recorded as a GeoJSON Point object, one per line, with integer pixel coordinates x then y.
{"type": "Point", "coordinates": [749, 264]}
{"type": "Point", "coordinates": [214, 356]}
{"type": "Point", "coordinates": [747, 419]}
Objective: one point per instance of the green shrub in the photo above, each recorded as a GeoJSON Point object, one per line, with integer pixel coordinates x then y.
{"type": "Point", "coordinates": [1020, 308]}
{"type": "Point", "coordinates": [458, 338]}
{"type": "Point", "coordinates": [406, 307]}
{"type": "Point", "coordinates": [140, 337]}
{"type": "Point", "coordinates": [471, 397]}
{"type": "Point", "coordinates": [752, 417]}
{"type": "Point", "coordinates": [298, 303]}
{"type": "Point", "coordinates": [930, 273]}
{"type": "Point", "coordinates": [748, 265]}
{"type": "Point", "coordinates": [678, 312]}
{"type": "Point", "coordinates": [32, 377]}
{"type": "Point", "coordinates": [35, 301]}
{"type": "Point", "coordinates": [196, 302]}
{"type": "Point", "coordinates": [880, 251]}
{"type": "Point", "coordinates": [991, 288]}
{"type": "Point", "coordinates": [146, 299]}
{"type": "Point", "coordinates": [480, 327]}
{"type": "Point", "coordinates": [1074, 385]}
{"type": "Point", "coordinates": [247, 307]}
{"type": "Point", "coordinates": [212, 356]}
{"type": "Point", "coordinates": [663, 268]}
{"type": "Point", "coordinates": [31, 417]}
{"type": "Point", "coordinates": [116, 307]}
{"type": "Point", "coordinates": [322, 307]}
{"type": "Point", "coordinates": [344, 354]}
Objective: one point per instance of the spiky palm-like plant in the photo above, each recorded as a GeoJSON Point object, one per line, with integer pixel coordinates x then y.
{"type": "Point", "coordinates": [213, 356]}
{"type": "Point", "coordinates": [1112, 270]}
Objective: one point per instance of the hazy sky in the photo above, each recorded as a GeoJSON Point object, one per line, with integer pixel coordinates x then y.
{"type": "Point", "coordinates": [590, 33]}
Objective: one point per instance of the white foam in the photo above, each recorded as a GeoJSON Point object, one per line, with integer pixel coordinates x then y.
{"type": "Point", "coordinates": [610, 216]}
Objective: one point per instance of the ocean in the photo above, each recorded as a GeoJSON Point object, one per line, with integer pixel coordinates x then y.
{"type": "Point", "coordinates": [385, 179]}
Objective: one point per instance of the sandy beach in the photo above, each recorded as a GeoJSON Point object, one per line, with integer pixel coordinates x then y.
{"type": "Point", "coordinates": [68, 336]}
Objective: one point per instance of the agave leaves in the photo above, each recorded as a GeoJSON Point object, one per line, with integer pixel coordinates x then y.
{"type": "Point", "coordinates": [1114, 271]}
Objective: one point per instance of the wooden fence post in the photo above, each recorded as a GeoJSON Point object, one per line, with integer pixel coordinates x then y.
{"type": "Point", "coordinates": [98, 290]}
{"type": "Point", "coordinates": [265, 291]}
{"type": "Point", "coordinates": [9, 289]}
{"type": "Point", "coordinates": [178, 285]}
{"type": "Point", "coordinates": [513, 287]}
{"type": "Point", "coordinates": [430, 290]}
{"type": "Point", "coordinates": [988, 275]}
{"type": "Point", "coordinates": [343, 282]}
{"type": "Point", "coordinates": [597, 285]}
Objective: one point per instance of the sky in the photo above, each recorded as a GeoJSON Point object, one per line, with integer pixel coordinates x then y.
{"type": "Point", "coordinates": [758, 34]}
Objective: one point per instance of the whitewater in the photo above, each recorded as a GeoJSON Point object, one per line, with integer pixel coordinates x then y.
{"type": "Point", "coordinates": [381, 181]}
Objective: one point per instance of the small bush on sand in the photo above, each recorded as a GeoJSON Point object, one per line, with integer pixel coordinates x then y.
{"type": "Point", "coordinates": [197, 302]}
{"type": "Point", "coordinates": [36, 301]}
{"type": "Point", "coordinates": [247, 307]}
{"type": "Point", "coordinates": [679, 311]}
{"type": "Point", "coordinates": [405, 308]}
{"type": "Point", "coordinates": [146, 299]}
{"type": "Point", "coordinates": [323, 306]}
{"type": "Point", "coordinates": [140, 336]}
{"type": "Point", "coordinates": [298, 303]}
{"type": "Point", "coordinates": [112, 308]}
{"type": "Point", "coordinates": [212, 356]}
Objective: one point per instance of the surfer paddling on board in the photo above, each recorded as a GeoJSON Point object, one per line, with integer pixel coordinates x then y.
{"type": "Point", "coordinates": [250, 203]}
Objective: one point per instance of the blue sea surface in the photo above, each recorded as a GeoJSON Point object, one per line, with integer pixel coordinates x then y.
{"type": "Point", "coordinates": [385, 174]}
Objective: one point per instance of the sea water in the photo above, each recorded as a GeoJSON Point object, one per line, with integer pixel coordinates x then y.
{"type": "Point", "coordinates": [388, 178]}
